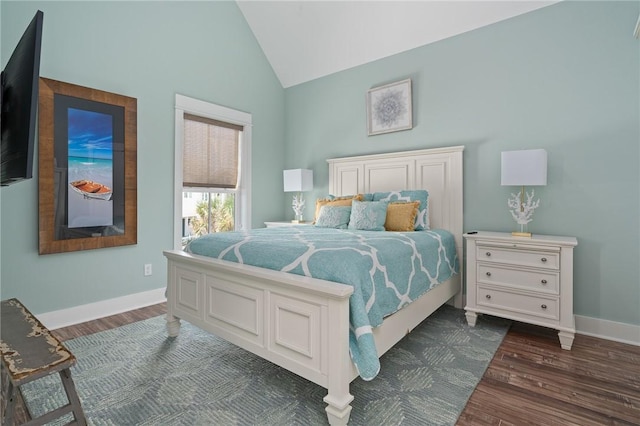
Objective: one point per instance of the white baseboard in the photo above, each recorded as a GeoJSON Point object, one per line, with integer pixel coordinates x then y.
{"type": "Point", "coordinates": [104, 308]}
{"type": "Point", "coordinates": [609, 330]}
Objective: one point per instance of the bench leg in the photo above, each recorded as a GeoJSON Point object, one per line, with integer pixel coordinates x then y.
{"type": "Point", "coordinates": [72, 395]}
{"type": "Point", "coordinates": [11, 403]}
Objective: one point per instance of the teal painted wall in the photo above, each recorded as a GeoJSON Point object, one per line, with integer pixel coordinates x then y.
{"type": "Point", "coordinates": [564, 78]}
{"type": "Point", "coordinates": [150, 51]}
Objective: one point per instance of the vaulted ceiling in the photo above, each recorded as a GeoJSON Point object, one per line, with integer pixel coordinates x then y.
{"type": "Point", "coordinates": [304, 40]}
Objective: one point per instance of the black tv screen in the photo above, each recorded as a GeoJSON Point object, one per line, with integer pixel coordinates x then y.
{"type": "Point", "coordinates": [20, 104]}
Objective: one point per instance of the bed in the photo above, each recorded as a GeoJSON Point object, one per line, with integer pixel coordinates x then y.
{"type": "Point", "coordinates": [302, 323]}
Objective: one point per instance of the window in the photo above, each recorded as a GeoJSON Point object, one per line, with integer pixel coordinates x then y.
{"type": "Point", "coordinates": [212, 170]}
{"type": "Point", "coordinates": [204, 212]}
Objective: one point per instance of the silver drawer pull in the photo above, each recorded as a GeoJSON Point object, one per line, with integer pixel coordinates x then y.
{"type": "Point", "coordinates": [543, 306]}
{"type": "Point", "coordinates": [488, 274]}
{"type": "Point", "coordinates": [544, 259]}
{"type": "Point", "coordinates": [488, 296]}
{"type": "Point", "coordinates": [488, 254]}
{"type": "Point", "coordinates": [543, 281]}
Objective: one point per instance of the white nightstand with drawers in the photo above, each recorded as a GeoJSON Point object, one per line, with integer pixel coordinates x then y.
{"type": "Point", "coordinates": [523, 279]}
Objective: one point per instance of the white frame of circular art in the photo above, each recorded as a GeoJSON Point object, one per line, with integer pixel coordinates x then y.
{"type": "Point", "coordinates": [389, 108]}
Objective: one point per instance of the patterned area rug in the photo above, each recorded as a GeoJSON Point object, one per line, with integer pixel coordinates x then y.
{"type": "Point", "coordinates": [135, 375]}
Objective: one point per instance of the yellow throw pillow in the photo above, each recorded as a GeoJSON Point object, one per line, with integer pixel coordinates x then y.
{"type": "Point", "coordinates": [337, 201]}
{"type": "Point", "coordinates": [401, 216]}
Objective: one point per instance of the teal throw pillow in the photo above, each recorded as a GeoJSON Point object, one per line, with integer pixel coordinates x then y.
{"type": "Point", "coordinates": [368, 215]}
{"type": "Point", "coordinates": [333, 217]}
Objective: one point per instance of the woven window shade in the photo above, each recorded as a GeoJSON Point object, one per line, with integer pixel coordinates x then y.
{"type": "Point", "coordinates": [210, 153]}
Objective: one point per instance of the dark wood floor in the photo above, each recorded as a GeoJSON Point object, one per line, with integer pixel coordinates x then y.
{"type": "Point", "coordinates": [530, 381]}
{"type": "Point", "coordinates": [110, 322]}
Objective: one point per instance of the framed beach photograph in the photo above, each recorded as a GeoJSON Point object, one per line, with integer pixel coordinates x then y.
{"type": "Point", "coordinates": [87, 168]}
{"type": "Point", "coordinates": [389, 108]}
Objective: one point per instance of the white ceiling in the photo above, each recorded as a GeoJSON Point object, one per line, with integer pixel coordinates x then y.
{"type": "Point", "coordinates": [304, 40]}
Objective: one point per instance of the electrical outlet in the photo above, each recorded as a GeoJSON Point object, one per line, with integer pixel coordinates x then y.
{"type": "Point", "coordinates": [147, 269]}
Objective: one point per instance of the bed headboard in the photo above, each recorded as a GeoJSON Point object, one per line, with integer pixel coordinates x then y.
{"type": "Point", "coordinates": [438, 170]}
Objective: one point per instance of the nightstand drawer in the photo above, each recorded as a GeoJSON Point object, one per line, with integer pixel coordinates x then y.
{"type": "Point", "coordinates": [518, 303]}
{"type": "Point", "coordinates": [537, 259]}
{"type": "Point", "coordinates": [536, 280]}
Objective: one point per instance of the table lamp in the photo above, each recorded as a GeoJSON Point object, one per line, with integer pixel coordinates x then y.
{"type": "Point", "coordinates": [298, 180]}
{"type": "Point", "coordinates": [523, 168]}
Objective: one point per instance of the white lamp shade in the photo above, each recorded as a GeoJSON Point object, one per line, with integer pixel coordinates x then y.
{"type": "Point", "coordinates": [298, 180]}
{"type": "Point", "coordinates": [524, 168]}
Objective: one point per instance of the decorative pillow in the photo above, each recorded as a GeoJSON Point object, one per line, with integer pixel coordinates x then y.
{"type": "Point", "coordinates": [368, 215]}
{"type": "Point", "coordinates": [335, 201]}
{"type": "Point", "coordinates": [401, 216]}
{"type": "Point", "coordinates": [334, 217]}
{"type": "Point", "coordinates": [359, 197]}
{"type": "Point", "coordinates": [422, 218]}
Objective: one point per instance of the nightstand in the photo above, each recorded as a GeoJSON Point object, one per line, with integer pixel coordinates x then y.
{"type": "Point", "coordinates": [284, 223]}
{"type": "Point", "coordinates": [523, 279]}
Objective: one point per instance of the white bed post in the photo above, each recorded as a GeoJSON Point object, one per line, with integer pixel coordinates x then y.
{"type": "Point", "coordinates": [338, 398]}
{"type": "Point", "coordinates": [173, 323]}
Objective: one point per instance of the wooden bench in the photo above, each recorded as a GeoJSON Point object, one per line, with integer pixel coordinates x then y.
{"type": "Point", "coordinates": [30, 352]}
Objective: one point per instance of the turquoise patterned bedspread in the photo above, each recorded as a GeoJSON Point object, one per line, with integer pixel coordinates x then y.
{"type": "Point", "coordinates": [388, 270]}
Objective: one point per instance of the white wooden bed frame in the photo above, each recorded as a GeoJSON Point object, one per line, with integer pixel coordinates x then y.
{"type": "Point", "coordinates": [302, 323]}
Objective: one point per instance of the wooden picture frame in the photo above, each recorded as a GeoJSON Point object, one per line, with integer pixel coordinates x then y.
{"type": "Point", "coordinates": [87, 171]}
{"type": "Point", "coordinates": [389, 108]}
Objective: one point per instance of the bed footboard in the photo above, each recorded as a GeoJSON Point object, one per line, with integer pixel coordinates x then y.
{"type": "Point", "coordinates": [296, 322]}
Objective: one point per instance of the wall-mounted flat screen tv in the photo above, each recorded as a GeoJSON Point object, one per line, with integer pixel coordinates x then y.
{"type": "Point", "coordinates": [20, 104]}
